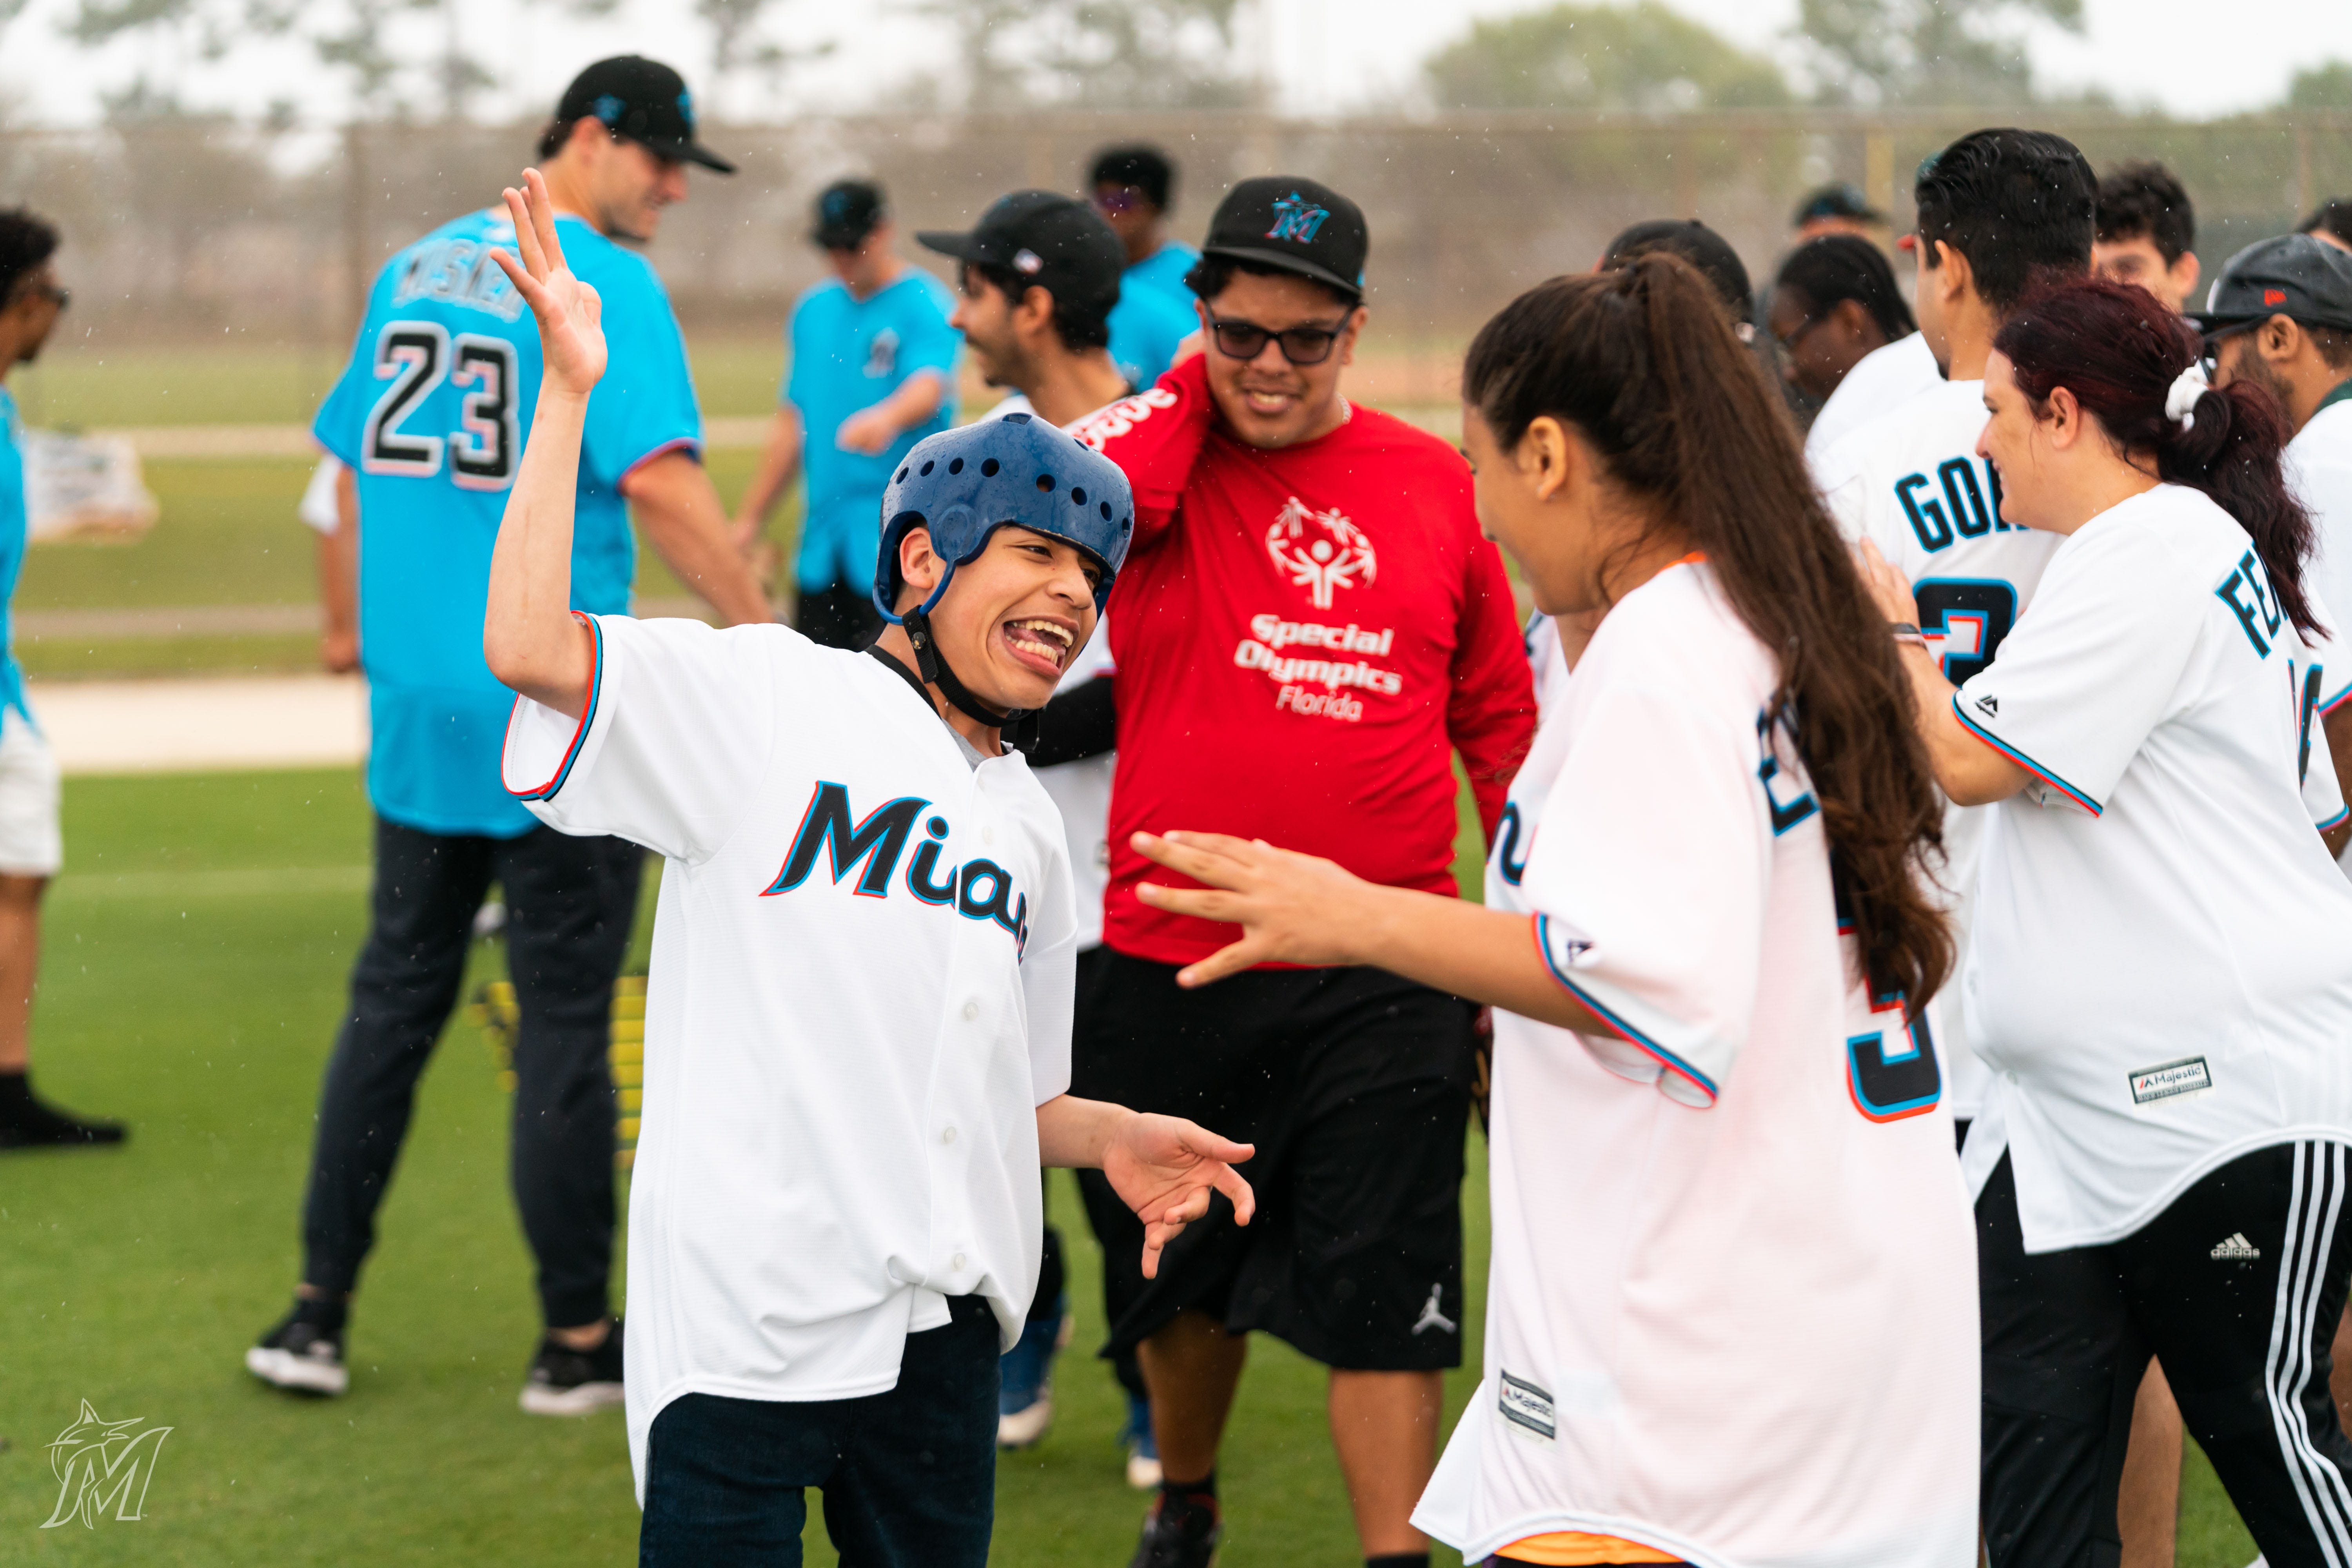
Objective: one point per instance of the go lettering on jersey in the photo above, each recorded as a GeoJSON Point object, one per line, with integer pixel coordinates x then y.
{"type": "Point", "coordinates": [979, 890]}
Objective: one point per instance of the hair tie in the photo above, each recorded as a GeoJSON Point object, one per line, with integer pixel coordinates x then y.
{"type": "Point", "coordinates": [2180, 402]}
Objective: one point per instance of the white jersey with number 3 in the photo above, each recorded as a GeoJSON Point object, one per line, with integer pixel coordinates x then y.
{"type": "Point", "coordinates": [2161, 975]}
{"type": "Point", "coordinates": [1911, 483]}
{"type": "Point", "coordinates": [1732, 1312]}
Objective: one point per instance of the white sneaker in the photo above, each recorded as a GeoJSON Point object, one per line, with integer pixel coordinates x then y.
{"type": "Point", "coordinates": [302, 1357]}
{"type": "Point", "coordinates": [1144, 1472]}
{"type": "Point", "coordinates": [1023, 1427]}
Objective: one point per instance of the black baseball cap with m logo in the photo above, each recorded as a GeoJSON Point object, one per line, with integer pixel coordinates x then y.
{"type": "Point", "coordinates": [641, 101]}
{"type": "Point", "coordinates": [1293, 224]}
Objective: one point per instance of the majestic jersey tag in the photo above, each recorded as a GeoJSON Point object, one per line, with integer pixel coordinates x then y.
{"type": "Point", "coordinates": [1526, 1406]}
{"type": "Point", "coordinates": [1990, 705]}
{"type": "Point", "coordinates": [2183, 1080]}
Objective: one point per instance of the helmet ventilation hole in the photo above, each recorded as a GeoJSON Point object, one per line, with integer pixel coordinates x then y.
{"type": "Point", "coordinates": [988, 467]}
{"type": "Point", "coordinates": [1045, 481]}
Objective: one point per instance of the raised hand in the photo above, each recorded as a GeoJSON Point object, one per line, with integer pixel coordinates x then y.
{"type": "Point", "coordinates": [571, 316]}
{"type": "Point", "coordinates": [1164, 1168]}
{"type": "Point", "coordinates": [1291, 907]}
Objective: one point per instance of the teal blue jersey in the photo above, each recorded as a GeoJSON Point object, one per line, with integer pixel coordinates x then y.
{"type": "Point", "coordinates": [1154, 313]}
{"type": "Point", "coordinates": [13, 522]}
{"type": "Point", "coordinates": [431, 415]}
{"type": "Point", "coordinates": [849, 355]}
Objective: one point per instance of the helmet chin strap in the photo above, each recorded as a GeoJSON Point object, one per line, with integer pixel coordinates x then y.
{"type": "Point", "coordinates": [1019, 725]}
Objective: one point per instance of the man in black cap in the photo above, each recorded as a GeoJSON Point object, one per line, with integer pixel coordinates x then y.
{"type": "Point", "coordinates": [2280, 316]}
{"type": "Point", "coordinates": [1038, 284]}
{"type": "Point", "coordinates": [1307, 628]}
{"type": "Point", "coordinates": [872, 372]}
{"type": "Point", "coordinates": [430, 414]}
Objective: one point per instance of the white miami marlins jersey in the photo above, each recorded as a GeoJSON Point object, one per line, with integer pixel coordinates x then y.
{"type": "Point", "coordinates": [2319, 467]}
{"type": "Point", "coordinates": [1731, 1312]}
{"type": "Point", "coordinates": [1547, 662]}
{"type": "Point", "coordinates": [860, 994]}
{"type": "Point", "coordinates": [2161, 975]}
{"type": "Point", "coordinates": [1910, 482]}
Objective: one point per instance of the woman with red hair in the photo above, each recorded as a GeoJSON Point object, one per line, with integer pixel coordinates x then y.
{"type": "Point", "coordinates": [2161, 964]}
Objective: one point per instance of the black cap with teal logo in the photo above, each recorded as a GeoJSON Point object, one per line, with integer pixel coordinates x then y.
{"type": "Point", "coordinates": [1293, 224]}
{"type": "Point", "coordinates": [644, 102]}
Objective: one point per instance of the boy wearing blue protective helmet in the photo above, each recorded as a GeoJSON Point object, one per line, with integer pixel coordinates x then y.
{"type": "Point", "coordinates": [857, 1020]}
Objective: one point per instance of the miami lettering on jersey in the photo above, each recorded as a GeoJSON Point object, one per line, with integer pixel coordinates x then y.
{"type": "Point", "coordinates": [979, 890]}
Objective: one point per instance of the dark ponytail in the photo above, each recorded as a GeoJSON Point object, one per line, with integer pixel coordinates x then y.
{"type": "Point", "coordinates": [1642, 363]}
{"type": "Point", "coordinates": [2118, 350]}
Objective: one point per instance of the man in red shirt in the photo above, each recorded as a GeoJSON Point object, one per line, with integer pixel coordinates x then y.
{"type": "Point", "coordinates": [1309, 626]}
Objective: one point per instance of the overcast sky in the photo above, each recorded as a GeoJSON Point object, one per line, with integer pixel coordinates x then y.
{"type": "Point", "coordinates": [1326, 55]}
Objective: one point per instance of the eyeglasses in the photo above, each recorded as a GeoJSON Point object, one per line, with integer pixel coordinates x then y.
{"type": "Point", "coordinates": [1790, 341]}
{"type": "Point", "coordinates": [1300, 345]}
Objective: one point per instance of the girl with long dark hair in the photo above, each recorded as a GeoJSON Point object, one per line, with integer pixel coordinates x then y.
{"type": "Point", "coordinates": [1730, 1318]}
{"type": "Point", "coordinates": [2160, 972]}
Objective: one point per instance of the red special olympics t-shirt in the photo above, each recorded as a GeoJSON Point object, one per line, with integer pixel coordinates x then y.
{"type": "Point", "coordinates": [1303, 637]}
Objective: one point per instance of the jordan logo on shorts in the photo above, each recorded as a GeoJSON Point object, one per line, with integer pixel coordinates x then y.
{"type": "Point", "coordinates": [1431, 1317]}
{"type": "Point", "coordinates": [2237, 1249]}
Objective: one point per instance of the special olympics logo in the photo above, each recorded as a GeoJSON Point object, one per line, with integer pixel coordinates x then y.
{"type": "Point", "coordinates": [1334, 553]}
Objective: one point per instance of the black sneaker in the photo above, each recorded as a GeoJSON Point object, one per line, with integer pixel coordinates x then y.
{"type": "Point", "coordinates": [38, 1125]}
{"type": "Point", "coordinates": [566, 1381]}
{"type": "Point", "coordinates": [300, 1356]}
{"type": "Point", "coordinates": [1183, 1536]}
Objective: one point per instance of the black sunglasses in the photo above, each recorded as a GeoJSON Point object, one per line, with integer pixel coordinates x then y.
{"type": "Point", "coordinates": [2210, 358]}
{"type": "Point", "coordinates": [1300, 345]}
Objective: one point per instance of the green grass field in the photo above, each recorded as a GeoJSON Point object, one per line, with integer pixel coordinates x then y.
{"type": "Point", "coordinates": [198, 948]}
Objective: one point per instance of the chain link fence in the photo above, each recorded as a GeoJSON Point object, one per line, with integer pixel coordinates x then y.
{"type": "Point", "coordinates": [186, 229]}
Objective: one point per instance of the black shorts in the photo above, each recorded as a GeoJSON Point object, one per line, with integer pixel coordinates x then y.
{"type": "Point", "coordinates": [1355, 1087]}
{"type": "Point", "coordinates": [2236, 1288]}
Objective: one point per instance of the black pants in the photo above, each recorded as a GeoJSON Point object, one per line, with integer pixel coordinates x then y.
{"type": "Point", "coordinates": [908, 1476]}
{"type": "Point", "coordinates": [840, 617]}
{"type": "Point", "coordinates": [1355, 1085]}
{"type": "Point", "coordinates": [570, 904]}
{"type": "Point", "coordinates": [2236, 1288]}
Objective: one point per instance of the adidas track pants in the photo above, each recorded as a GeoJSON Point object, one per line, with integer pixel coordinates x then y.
{"type": "Point", "coordinates": [2237, 1287]}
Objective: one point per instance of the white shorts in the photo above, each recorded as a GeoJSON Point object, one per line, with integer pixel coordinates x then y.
{"type": "Point", "coordinates": [30, 844]}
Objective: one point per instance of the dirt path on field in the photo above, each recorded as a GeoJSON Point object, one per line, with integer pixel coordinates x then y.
{"type": "Point", "coordinates": [203, 725]}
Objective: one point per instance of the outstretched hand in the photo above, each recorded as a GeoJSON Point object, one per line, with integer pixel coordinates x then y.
{"type": "Point", "coordinates": [1291, 907]}
{"type": "Point", "coordinates": [571, 316]}
{"type": "Point", "coordinates": [1164, 1168]}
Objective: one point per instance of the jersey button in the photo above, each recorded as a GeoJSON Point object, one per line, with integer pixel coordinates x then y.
{"type": "Point", "coordinates": [948, 1136]}
{"type": "Point", "coordinates": [970, 1011]}
{"type": "Point", "coordinates": [956, 1263]}
{"type": "Point", "coordinates": [988, 835]}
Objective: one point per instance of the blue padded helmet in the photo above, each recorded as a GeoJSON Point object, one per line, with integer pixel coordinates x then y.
{"type": "Point", "coordinates": [965, 484]}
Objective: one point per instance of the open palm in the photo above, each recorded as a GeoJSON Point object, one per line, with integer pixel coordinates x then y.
{"type": "Point", "coordinates": [571, 316]}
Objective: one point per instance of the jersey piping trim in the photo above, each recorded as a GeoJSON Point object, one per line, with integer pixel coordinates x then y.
{"type": "Point", "coordinates": [1616, 1024]}
{"type": "Point", "coordinates": [684, 442]}
{"type": "Point", "coordinates": [587, 718]}
{"type": "Point", "coordinates": [2330, 705]}
{"type": "Point", "coordinates": [2022, 760]}
{"type": "Point", "coordinates": [2337, 820]}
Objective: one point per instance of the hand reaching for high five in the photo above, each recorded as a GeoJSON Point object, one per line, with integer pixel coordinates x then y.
{"type": "Point", "coordinates": [570, 317]}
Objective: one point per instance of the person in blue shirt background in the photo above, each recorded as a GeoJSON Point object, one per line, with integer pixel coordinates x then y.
{"type": "Point", "coordinates": [431, 415]}
{"type": "Point", "coordinates": [1130, 187]}
{"type": "Point", "coordinates": [31, 848]}
{"type": "Point", "coordinates": [873, 372]}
